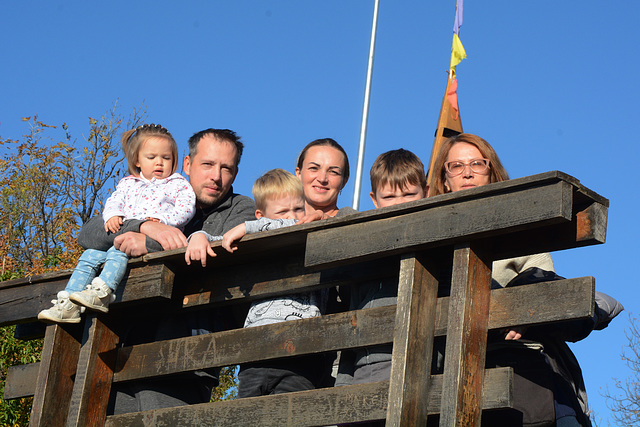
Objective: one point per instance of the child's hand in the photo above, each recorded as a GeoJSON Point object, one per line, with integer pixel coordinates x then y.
{"type": "Point", "coordinates": [197, 249]}
{"type": "Point", "coordinates": [233, 235]}
{"type": "Point", "coordinates": [113, 224]}
{"type": "Point", "coordinates": [152, 219]}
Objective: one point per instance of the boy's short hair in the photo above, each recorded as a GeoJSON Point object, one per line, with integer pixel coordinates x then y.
{"type": "Point", "coordinates": [397, 168]}
{"type": "Point", "coordinates": [273, 184]}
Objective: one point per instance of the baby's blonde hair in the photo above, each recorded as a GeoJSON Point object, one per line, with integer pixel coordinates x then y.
{"type": "Point", "coordinates": [273, 184]}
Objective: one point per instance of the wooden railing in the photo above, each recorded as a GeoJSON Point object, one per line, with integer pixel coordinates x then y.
{"type": "Point", "coordinates": [455, 236]}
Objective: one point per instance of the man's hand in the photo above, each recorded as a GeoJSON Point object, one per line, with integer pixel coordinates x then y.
{"type": "Point", "coordinates": [315, 216]}
{"type": "Point", "coordinates": [198, 249]}
{"type": "Point", "coordinates": [113, 224]}
{"type": "Point", "coordinates": [169, 237]}
{"type": "Point", "coordinates": [232, 236]}
{"type": "Point", "coordinates": [131, 243]}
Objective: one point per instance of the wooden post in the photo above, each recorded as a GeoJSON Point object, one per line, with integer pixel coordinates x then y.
{"type": "Point", "coordinates": [55, 377]}
{"type": "Point", "coordinates": [466, 337]}
{"type": "Point", "coordinates": [94, 374]}
{"type": "Point", "coordinates": [412, 344]}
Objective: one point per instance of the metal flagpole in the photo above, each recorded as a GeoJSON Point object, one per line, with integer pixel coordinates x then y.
{"type": "Point", "coordinates": [365, 110]}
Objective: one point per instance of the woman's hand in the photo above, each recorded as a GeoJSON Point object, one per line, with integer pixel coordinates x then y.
{"type": "Point", "coordinates": [315, 216]}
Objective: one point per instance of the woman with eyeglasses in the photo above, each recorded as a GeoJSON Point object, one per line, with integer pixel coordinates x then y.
{"type": "Point", "coordinates": [466, 161]}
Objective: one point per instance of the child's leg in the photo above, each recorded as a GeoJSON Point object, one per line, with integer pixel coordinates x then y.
{"type": "Point", "coordinates": [100, 292]}
{"type": "Point", "coordinates": [86, 269]}
{"type": "Point", "coordinates": [115, 267]}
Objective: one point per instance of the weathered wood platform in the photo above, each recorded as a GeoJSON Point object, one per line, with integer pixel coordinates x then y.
{"type": "Point", "coordinates": [447, 241]}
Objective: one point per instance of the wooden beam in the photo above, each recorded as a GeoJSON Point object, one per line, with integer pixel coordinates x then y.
{"type": "Point", "coordinates": [23, 302]}
{"type": "Point", "coordinates": [269, 277]}
{"type": "Point", "coordinates": [466, 347]}
{"type": "Point", "coordinates": [544, 302]}
{"type": "Point", "coordinates": [496, 214]}
{"type": "Point", "coordinates": [21, 381]}
{"type": "Point", "coordinates": [54, 384]}
{"type": "Point", "coordinates": [413, 342]}
{"type": "Point", "coordinates": [94, 374]}
{"type": "Point", "coordinates": [309, 408]}
{"type": "Point", "coordinates": [547, 302]}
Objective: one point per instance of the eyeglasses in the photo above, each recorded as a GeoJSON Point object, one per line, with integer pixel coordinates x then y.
{"type": "Point", "coordinates": [455, 168]}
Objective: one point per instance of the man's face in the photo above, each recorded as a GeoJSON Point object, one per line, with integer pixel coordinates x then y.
{"type": "Point", "coordinates": [212, 170]}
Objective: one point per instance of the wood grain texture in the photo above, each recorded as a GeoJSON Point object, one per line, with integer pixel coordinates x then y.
{"type": "Point", "coordinates": [466, 337]}
{"type": "Point", "coordinates": [545, 212]}
{"type": "Point", "coordinates": [269, 277]}
{"type": "Point", "coordinates": [88, 406]}
{"type": "Point", "coordinates": [413, 342]}
{"type": "Point", "coordinates": [21, 381]}
{"type": "Point", "coordinates": [496, 214]}
{"type": "Point", "coordinates": [541, 304]}
{"type": "Point", "coordinates": [54, 386]}
{"type": "Point", "coordinates": [327, 406]}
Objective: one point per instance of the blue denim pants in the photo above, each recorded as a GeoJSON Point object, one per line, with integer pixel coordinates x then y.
{"type": "Point", "coordinates": [115, 267]}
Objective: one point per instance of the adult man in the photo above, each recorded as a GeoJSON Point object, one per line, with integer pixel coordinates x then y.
{"type": "Point", "coordinates": [212, 166]}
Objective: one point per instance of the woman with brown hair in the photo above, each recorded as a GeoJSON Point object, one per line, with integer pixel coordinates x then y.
{"type": "Point", "coordinates": [467, 161]}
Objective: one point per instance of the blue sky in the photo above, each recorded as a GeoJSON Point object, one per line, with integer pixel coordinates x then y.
{"type": "Point", "coordinates": [552, 85]}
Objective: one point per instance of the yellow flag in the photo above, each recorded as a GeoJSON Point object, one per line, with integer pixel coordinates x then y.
{"type": "Point", "coordinates": [457, 52]}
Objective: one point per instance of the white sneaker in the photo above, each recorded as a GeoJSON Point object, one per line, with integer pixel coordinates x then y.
{"type": "Point", "coordinates": [63, 310]}
{"type": "Point", "coordinates": [96, 296]}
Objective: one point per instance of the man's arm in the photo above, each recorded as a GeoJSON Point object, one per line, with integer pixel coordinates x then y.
{"type": "Point", "coordinates": [93, 236]}
{"type": "Point", "coordinates": [135, 244]}
{"type": "Point", "coordinates": [243, 209]}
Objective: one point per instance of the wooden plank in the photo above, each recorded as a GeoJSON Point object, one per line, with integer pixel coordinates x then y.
{"type": "Point", "coordinates": [21, 304]}
{"type": "Point", "coordinates": [535, 304]}
{"type": "Point", "coordinates": [412, 343]}
{"type": "Point", "coordinates": [592, 223]}
{"type": "Point", "coordinates": [547, 302]}
{"type": "Point", "coordinates": [309, 408]}
{"type": "Point", "coordinates": [54, 384]}
{"type": "Point", "coordinates": [20, 381]}
{"type": "Point", "coordinates": [466, 337]}
{"type": "Point", "coordinates": [92, 385]}
{"type": "Point", "coordinates": [270, 277]}
{"type": "Point", "coordinates": [144, 283]}
{"type": "Point", "coordinates": [588, 226]}
{"type": "Point", "coordinates": [442, 225]}
{"type": "Point", "coordinates": [296, 337]}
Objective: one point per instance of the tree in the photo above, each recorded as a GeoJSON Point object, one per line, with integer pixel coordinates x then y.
{"type": "Point", "coordinates": [625, 403]}
{"type": "Point", "coordinates": [50, 188]}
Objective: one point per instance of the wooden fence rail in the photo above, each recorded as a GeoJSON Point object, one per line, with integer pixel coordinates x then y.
{"type": "Point", "coordinates": [447, 242]}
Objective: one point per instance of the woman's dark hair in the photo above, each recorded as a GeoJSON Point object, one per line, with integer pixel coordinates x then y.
{"type": "Point", "coordinates": [329, 143]}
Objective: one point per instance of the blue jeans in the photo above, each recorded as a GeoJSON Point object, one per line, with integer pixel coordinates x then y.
{"type": "Point", "coordinates": [115, 267]}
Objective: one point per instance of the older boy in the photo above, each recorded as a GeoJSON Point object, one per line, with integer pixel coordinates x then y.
{"type": "Point", "coordinates": [397, 176]}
